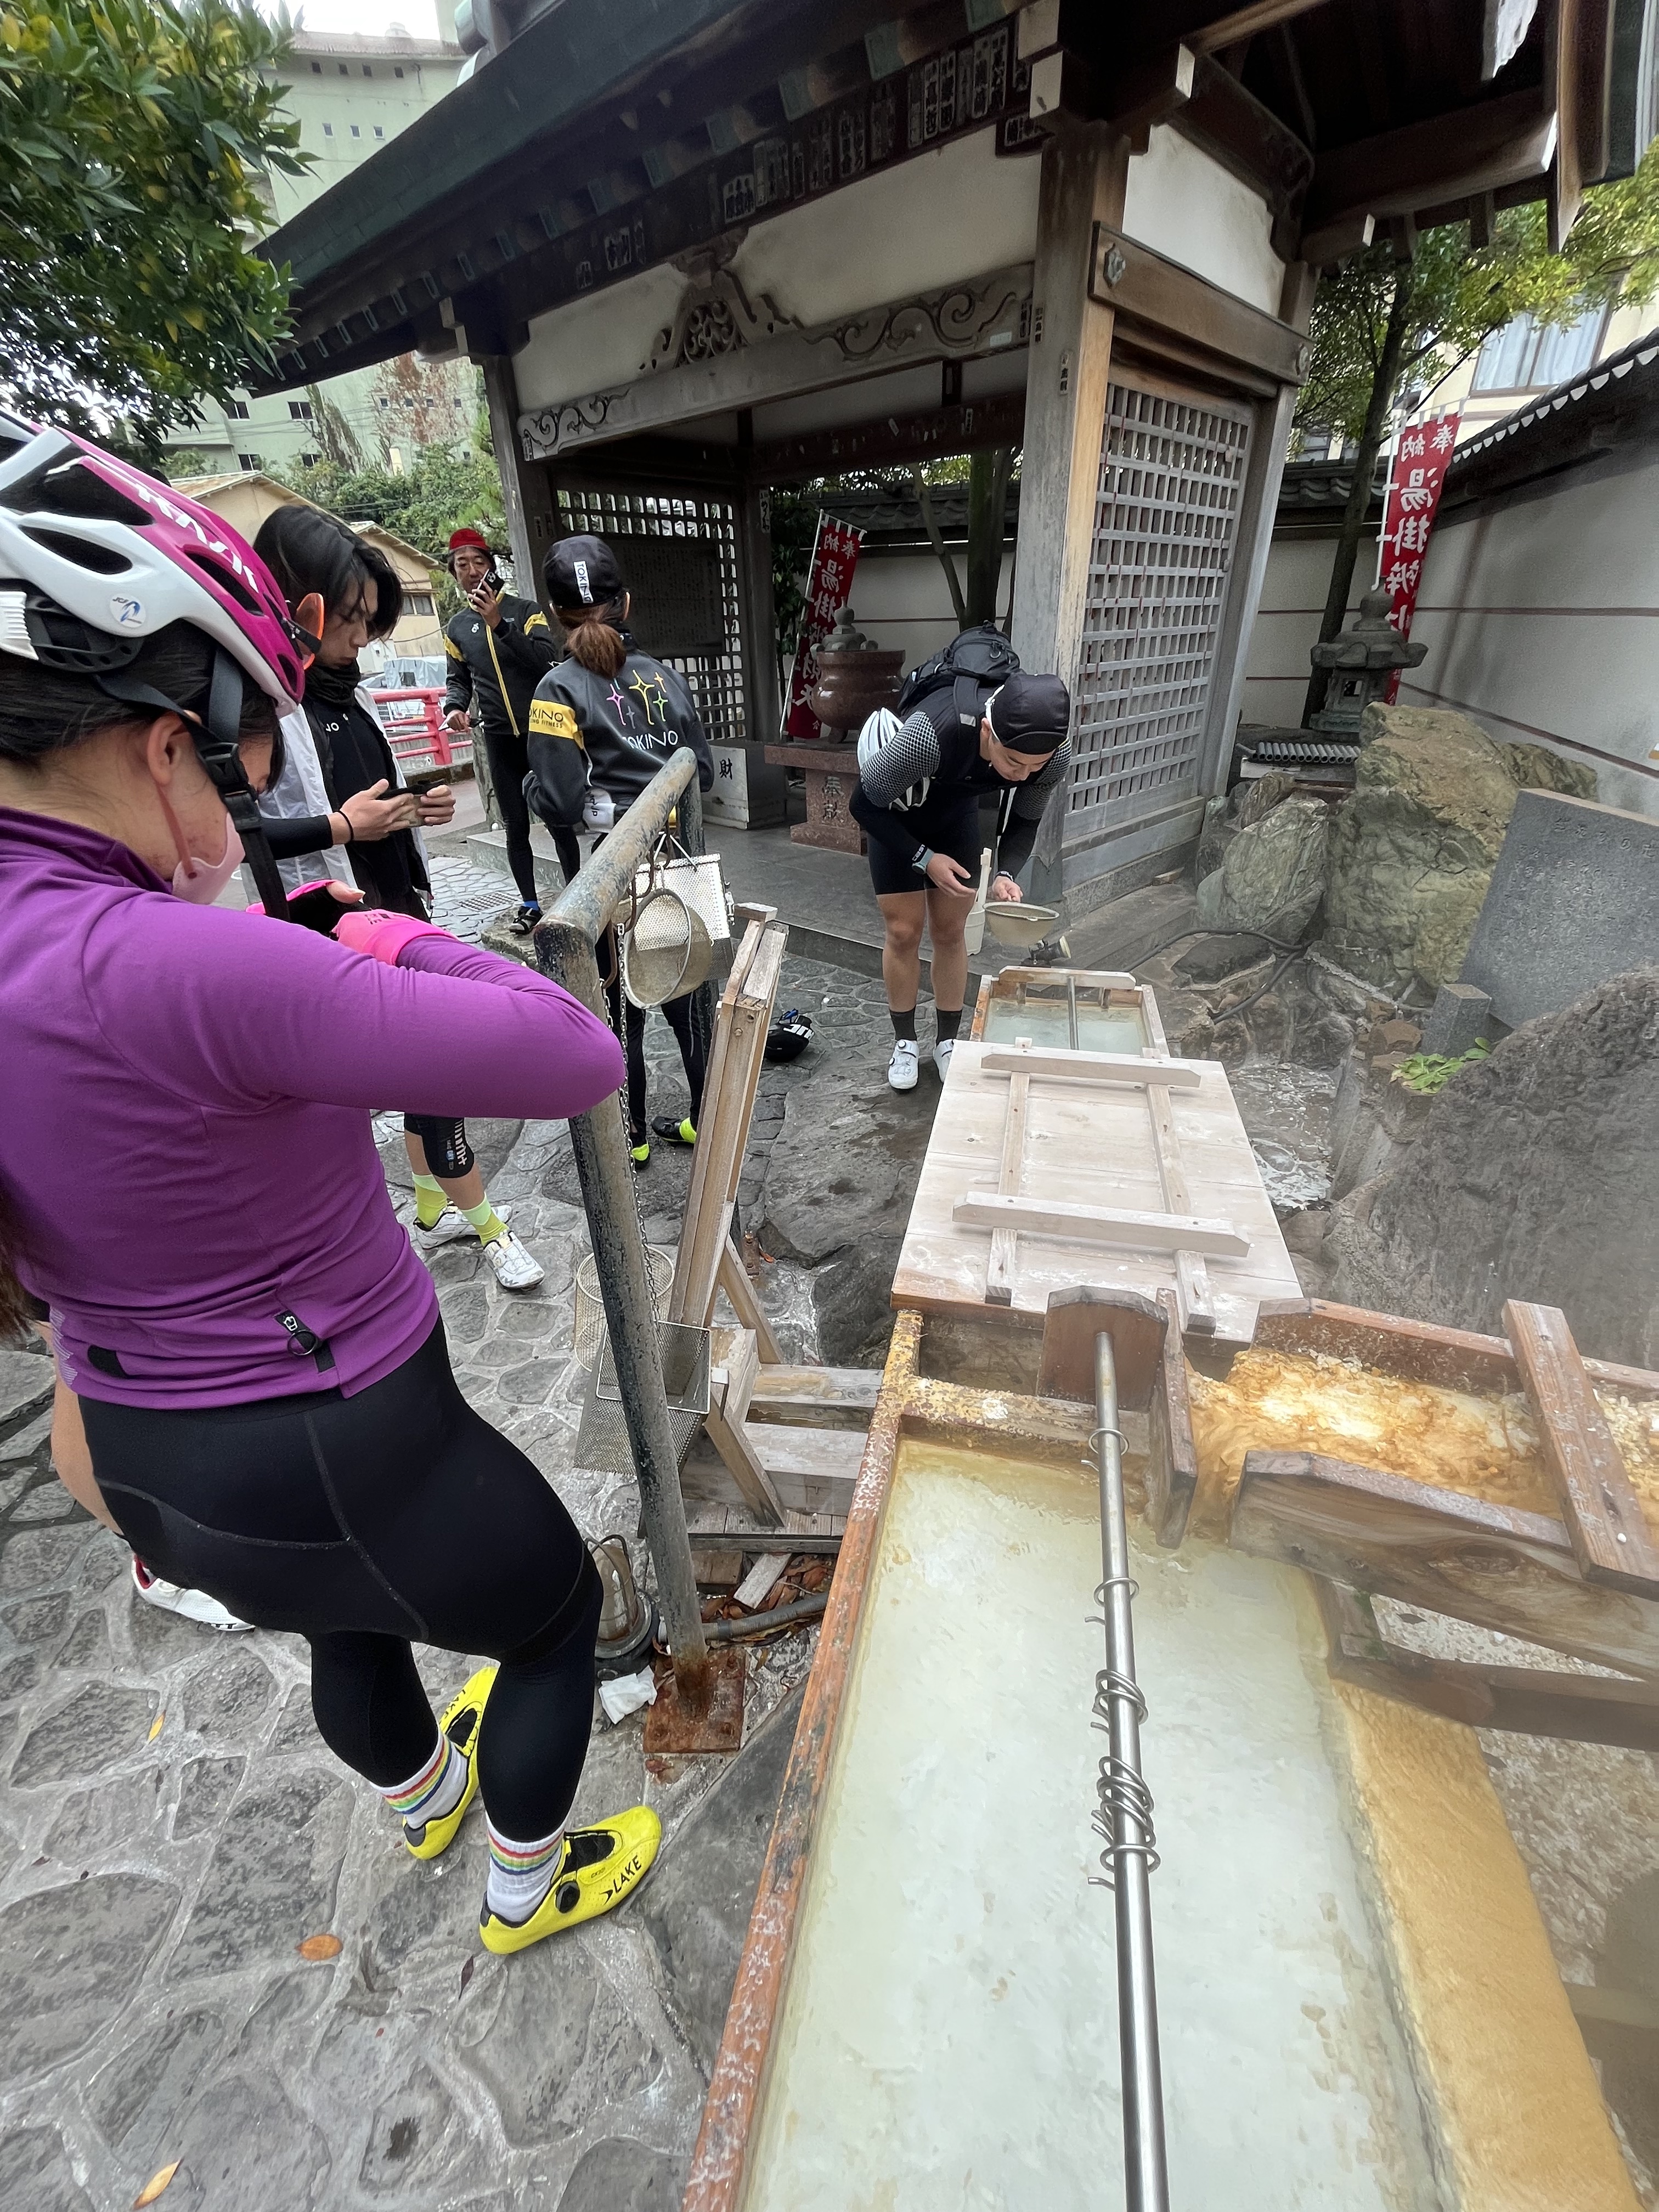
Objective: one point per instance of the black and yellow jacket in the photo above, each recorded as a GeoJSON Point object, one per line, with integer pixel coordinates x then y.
{"type": "Point", "coordinates": [612, 733]}
{"type": "Point", "coordinates": [495, 672]}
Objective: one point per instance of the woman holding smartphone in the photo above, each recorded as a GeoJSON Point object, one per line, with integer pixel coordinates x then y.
{"type": "Point", "coordinates": [337, 738]}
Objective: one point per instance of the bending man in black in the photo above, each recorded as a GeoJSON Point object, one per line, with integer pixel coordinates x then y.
{"type": "Point", "coordinates": [918, 798]}
{"type": "Point", "coordinates": [499, 648]}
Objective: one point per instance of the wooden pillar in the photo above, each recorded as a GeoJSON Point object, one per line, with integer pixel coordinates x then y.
{"type": "Point", "coordinates": [1086, 168]}
{"type": "Point", "coordinates": [757, 614]}
{"type": "Point", "coordinates": [527, 490]}
{"type": "Point", "coordinates": [1270, 438]}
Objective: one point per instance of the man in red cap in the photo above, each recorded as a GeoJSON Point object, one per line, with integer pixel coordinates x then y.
{"type": "Point", "coordinates": [499, 648]}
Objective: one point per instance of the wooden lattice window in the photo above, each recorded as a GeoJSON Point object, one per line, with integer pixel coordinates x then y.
{"type": "Point", "coordinates": [1166, 515]}
{"type": "Point", "coordinates": [714, 673]}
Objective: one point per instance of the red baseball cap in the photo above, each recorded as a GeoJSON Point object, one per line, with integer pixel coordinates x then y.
{"type": "Point", "coordinates": [472, 538]}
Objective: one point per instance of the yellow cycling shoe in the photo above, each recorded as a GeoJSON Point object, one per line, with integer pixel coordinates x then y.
{"type": "Point", "coordinates": [459, 1722]}
{"type": "Point", "coordinates": [597, 1868]}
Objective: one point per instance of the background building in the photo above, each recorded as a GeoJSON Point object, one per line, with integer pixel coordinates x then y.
{"type": "Point", "coordinates": [350, 93]}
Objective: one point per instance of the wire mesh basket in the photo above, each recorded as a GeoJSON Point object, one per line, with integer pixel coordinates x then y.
{"type": "Point", "coordinates": [666, 950]}
{"type": "Point", "coordinates": [591, 1333]}
{"type": "Point", "coordinates": [602, 1441]}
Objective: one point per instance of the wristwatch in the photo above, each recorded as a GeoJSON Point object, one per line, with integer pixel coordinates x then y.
{"type": "Point", "coordinates": [924, 853]}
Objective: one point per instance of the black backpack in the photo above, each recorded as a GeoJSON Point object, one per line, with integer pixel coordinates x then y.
{"type": "Point", "coordinates": [979, 658]}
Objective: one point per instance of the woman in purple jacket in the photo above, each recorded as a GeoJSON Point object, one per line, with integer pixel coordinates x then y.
{"type": "Point", "coordinates": [188, 1178]}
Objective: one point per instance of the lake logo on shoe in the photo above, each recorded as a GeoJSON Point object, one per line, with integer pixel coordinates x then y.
{"type": "Point", "coordinates": [619, 1882]}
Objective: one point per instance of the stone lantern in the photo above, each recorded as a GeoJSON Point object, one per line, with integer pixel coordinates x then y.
{"type": "Point", "coordinates": [1361, 662]}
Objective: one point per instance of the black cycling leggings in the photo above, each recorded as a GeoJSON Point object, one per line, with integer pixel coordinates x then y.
{"type": "Point", "coordinates": [365, 1523]}
{"type": "Point", "coordinates": [509, 764]}
{"type": "Point", "coordinates": [447, 1152]}
{"type": "Point", "coordinates": [630, 1019]}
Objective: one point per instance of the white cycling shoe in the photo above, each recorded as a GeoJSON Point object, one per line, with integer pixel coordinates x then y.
{"type": "Point", "coordinates": [515, 1270]}
{"type": "Point", "coordinates": [449, 1228]}
{"type": "Point", "coordinates": [905, 1067]}
{"type": "Point", "coordinates": [189, 1604]}
{"type": "Point", "coordinates": [942, 1051]}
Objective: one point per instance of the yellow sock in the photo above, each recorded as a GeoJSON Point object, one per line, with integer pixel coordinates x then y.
{"type": "Point", "coordinates": [485, 1219]}
{"type": "Point", "coordinates": [429, 1200]}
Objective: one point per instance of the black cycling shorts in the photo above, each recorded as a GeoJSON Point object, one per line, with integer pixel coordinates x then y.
{"type": "Point", "coordinates": [950, 825]}
{"type": "Point", "coordinates": [448, 1155]}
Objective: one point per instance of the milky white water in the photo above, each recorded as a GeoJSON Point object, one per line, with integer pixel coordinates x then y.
{"type": "Point", "coordinates": [947, 2039]}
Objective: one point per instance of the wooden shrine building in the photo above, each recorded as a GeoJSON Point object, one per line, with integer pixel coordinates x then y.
{"type": "Point", "coordinates": [704, 247]}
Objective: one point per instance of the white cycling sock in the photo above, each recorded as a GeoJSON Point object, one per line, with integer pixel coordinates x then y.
{"type": "Point", "coordinates": [435, 1789]}
{"type": "Point", "coordinates": [521, 1874]}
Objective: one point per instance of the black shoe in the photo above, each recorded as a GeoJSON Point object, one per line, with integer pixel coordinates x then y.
{"type": "Point", "coordinates": [524, 919]}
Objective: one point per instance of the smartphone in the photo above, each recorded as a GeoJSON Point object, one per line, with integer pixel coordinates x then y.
{"type": "Point", "coordinates": [494, 583]}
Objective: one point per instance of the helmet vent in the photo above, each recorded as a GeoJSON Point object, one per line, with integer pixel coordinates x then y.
{"type": "Point", "coordinates": [217, 572]}
{"type": "Point", "coordinates": [74, 489]}
{"type": "Point", "coordinates": [103, 559]}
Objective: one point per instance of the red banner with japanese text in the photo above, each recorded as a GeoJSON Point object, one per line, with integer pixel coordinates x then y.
{"type": "Point", "coordinates": [1421, 460]}
{"type": "Point", "coordinates": [829, 587]}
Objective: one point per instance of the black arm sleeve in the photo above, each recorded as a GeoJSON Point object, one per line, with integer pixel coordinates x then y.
{"type": "Point", "coordinates": [297, 833]}
{"type": "Point", "coordinates": [1030, 804]}
{"type": "Point", "coordinates": [457, 691]}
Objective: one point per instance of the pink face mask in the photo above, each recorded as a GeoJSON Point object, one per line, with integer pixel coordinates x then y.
{"type": "Point", "coordinates": [198, 880]}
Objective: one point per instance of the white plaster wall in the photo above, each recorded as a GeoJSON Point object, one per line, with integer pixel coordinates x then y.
{"type": "Point", "coordinates": [902, 599]}
{"type": "Point", "coordinates": [596, 340]}
{"type": "Point", "coordinates": [1299, 575]}
{"type": "Point", "coordinates": [1541, 619]}
{"type": "Point", "coordinates": [933, 221]}
{"type": "Point", "coordinates": [1186, 206]}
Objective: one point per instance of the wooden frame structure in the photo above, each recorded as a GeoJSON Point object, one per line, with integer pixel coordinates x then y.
{"type": "Point", "coordinates": [787, 1436]}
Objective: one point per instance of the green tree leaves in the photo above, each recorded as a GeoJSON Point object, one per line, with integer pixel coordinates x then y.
{"type": "Point", "coordinates": [1461, 295]}
{"type": "Point", "coordinates": [138, 135]}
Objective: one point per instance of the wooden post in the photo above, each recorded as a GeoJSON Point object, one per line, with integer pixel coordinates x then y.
{"type": "Point", "coordinates": [756, 615]}
{"type": "Point", "coordinates": [526, 492]}
{"type": "Point", "coordinates": [1085, 169]}
{"type": "Point", "coordinates": [1270, 438]}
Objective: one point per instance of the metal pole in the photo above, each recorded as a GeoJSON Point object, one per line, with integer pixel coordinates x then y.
{"type": "Point", "coordinates": [1126, 1815]}
{"type": "Point", "coordinates": [564, 945]}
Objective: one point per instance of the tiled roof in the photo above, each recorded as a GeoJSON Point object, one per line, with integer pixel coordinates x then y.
{"type": "Point", "coordinates": [1637, 359]}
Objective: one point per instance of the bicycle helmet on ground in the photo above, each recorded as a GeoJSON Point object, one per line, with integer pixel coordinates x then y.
{"type": "Point", "coordinates": [96, 558]}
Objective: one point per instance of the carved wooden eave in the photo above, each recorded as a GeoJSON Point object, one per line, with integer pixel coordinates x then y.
{"type": "Point", "coordinates": [958, 323]}
{"type": "Point", "coordinates": [715, 315]}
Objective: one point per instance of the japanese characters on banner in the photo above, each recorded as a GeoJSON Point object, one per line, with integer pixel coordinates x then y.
{"type": "Point", "coordinates": [829, 587]}
{"type": "Point", "coordinates": [1421, 460]}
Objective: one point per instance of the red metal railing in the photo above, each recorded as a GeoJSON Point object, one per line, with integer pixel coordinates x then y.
{"type": "Point", "coordinates": [413, 725]}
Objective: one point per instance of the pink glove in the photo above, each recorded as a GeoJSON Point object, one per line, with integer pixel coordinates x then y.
{"type": "Point", "coordinates": [381, 935]}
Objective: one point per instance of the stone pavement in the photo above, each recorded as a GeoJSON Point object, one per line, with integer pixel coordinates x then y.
{"type": "Point", "coordinates": [172, 1829]}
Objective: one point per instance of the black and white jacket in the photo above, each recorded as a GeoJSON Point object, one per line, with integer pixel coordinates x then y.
{"type": "Point", "coordinates": [932, 763]}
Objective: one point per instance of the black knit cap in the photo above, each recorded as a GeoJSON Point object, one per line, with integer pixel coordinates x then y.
{"type": "Point", "coordinates": [582, 571]}
{"type": "Point", "coordinates": [1031, 713]}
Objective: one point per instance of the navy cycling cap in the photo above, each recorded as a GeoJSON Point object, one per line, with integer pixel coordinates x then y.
{"type": "Point", "coordinates": [582, 571]}
{"type": "Point", "coordinates": [1031, 713]}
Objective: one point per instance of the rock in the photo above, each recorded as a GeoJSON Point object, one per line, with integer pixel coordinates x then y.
{"type": "Point", "coordinates": [205, 1789]}
{"type": "Point", "coordinates": [1273, 876]}
{"type": "Point", "coordinates": [243, 2144]}
{"type": "Point", "coordinates": [1536, 768]}
{"type": "Point", "coordinates": [225, 1698]}
{"type": "Point", "coordinates": [26, 1381]}
{"type": "Point", "coordinates": [1536, 1176]}
{"type": "Point", "coordinates": [413, 2136]}
{"type": "Point", "coordinates": [1220, 828]}
{"type": "Point", "coordinates": [97, 1726]}
{"type": "Point", "coordinates": [116, 1816]}
{"type": "Point", "coordinates": [1256, 799]}
{"type": "Point", "coordinates": [271, 1881]}
{"type": "Point", "coordinates": [1412, 849]}
{"type": "Point", "coordinates": [1373, 1120]}
{"type": "Point", "coordinates": [137, 2098]}
{"type": "Point", "coordinates": [35, 2172]}
{"type": "Point", "coordinates": [698, 1903]}
{"type": "Point", "coordinates": [619, 2175]}
{"type": "Point", "coordinates": [86, 1645]}
{"type": "Point", "coordinates": [551, 2039]}
{"type": "Point", "coordinates": [70, 1959]}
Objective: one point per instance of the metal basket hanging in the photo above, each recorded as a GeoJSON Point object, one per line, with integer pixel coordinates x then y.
{"type": "Point", "coordinates": [666, 951]}
{"type": "Point", "coordinates": [592, 1332]}
{"type": "Point", "coordinates": [602, 1440]}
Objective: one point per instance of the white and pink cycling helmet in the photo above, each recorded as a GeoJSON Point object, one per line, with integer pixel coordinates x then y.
{"type": "Point", "coordinates": [96, 559]}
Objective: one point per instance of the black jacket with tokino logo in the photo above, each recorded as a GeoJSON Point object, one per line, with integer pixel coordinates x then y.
{"type": "Point", "coordinates": [593, 737]}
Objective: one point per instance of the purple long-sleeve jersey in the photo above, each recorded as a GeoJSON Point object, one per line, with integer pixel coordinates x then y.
{"type": "Point", "coordinates": [185, 1144]}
